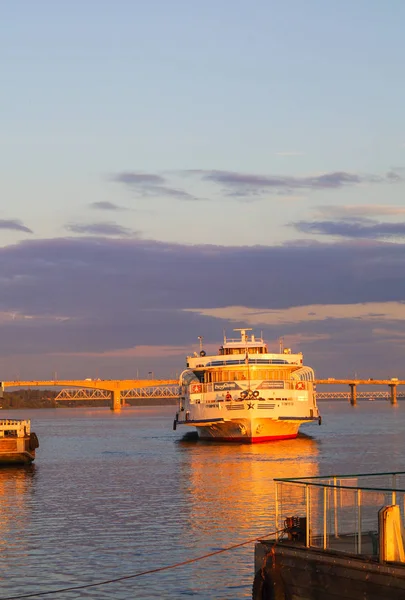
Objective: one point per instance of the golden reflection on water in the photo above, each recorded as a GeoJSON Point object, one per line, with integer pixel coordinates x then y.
{"type": "Point", "coordinates": [15, 486]}
{"type": "Point", "coordinates": [237, 482]}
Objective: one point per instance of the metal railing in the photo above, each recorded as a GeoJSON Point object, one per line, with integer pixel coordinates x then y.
{"type": "Point", "coordinates": [338, 512]}
{"type": "Point", "coordinates": [232, 385]}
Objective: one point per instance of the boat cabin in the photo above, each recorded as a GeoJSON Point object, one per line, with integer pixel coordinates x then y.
{"type": "Point", "coordinates": [14, 428]}
{"type": "Point", "coordinates": [245, 344]}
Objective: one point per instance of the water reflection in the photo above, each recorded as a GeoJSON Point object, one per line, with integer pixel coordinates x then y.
{"type": "Point", "coordinates": [16, 484]}
{"type": "Point", "coordinates": [237, 482]}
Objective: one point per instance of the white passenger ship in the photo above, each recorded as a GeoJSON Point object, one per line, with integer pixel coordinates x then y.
{"type": "Point", "coordinates": [246, 393]}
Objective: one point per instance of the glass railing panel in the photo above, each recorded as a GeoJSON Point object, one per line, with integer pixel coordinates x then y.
{"type": "Point", "coordinates": [338, 513]}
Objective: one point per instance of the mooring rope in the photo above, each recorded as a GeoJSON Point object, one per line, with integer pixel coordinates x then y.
{"type": "Point", "coordinates": [140, 574]}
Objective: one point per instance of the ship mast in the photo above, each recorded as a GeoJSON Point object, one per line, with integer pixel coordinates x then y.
{"type": "Point", "coordinates": [244, 339]}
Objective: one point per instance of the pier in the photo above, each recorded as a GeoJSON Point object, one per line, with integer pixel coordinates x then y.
{"type": "Point", "coordinates": [343, 539]}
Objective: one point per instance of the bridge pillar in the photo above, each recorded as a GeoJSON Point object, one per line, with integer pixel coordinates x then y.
{"type": "Point", "coordinates": [116, 400]}
{"type": "Point", "coordinates": [353, 394]}
{"type": "Point", "coordinates": [393, 387]}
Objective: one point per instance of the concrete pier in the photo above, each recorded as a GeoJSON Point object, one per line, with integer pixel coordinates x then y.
{"type": "Point", "coordinates": [393, 387]}
{"type": "Point", "coordinates": [353, 394]}
{"type": "Point", "coordinates": [116, 400]}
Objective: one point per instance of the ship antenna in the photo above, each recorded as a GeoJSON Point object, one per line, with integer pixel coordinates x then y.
{"type": "Point", "coordinates": [200, 337]}
{"type": "Point", "coordinates": [281, 342]}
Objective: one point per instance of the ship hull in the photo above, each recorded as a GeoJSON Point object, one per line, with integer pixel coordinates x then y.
{"type": "Point", "coordinates": [16, 458]}
{"type": "Point", "coordinates": [18, 450]}
{"type": "Point", "coordinates": [249, 431]}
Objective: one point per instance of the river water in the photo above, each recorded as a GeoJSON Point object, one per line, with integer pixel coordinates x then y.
{"type": "Point", "coordinates": [113, 495]}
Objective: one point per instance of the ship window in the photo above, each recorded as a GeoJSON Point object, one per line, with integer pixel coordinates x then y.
{"type": "Point", "coordinates": [188, 377]}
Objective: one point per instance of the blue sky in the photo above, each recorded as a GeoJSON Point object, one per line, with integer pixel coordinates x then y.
{"type": "Point", "coordinates": [172, 169]}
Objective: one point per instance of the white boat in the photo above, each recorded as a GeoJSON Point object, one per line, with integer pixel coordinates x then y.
{"type": "Point", "coordinates": [246, 393]}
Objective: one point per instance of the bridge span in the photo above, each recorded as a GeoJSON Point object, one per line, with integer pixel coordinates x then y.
{"type": "Point", "coordinates": [114, 387]}
{"type": "Point", "coordinates": [347, 395]}
{"type": "Point", "coordinates": [159, 391]}
{"type": "Point", "coordinates": [120, 389]}
{"type": "Point", "coordinates": [353, 383]}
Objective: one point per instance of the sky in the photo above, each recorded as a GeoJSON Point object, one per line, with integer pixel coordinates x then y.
{"type": "Point", "coordinates": [175, 169]}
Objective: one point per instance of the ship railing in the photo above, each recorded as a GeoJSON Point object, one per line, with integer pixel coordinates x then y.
{"type": "Point", "coordinates": [222, 387]}
{"type": "Point", "coordinates": [256, 340]}
{"type": "Point", "coordinates": [343, 513]}
{"type": "Point", "coordinates": [14, 427]}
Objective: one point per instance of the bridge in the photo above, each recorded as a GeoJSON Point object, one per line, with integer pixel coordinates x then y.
{"type": "Point", "coordinates": [113, 387]}
{"type": "Point", "coordinates": [120, 389]}
{"type": "Point", "coordinates": [347, 395]}
{"type": "Point", "coordinates": [159, 391]}
{"type": "Point", "coordinates": [353, 383]}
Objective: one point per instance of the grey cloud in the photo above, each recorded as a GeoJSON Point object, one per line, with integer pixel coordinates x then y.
{"type": "Point", "coordinates": [101, 229]}
{"type": "Point", "coordinates": [361, 228]}
{"type": "Point", "coordinates": [238, 184]}
{"type": "Point", "coordinates": [14, 225]}
{"type": "Point", "coordinates": [120, 293]}
{"type": "Point", "coordinates": [393, 176]}
{"type": "Point", "coordinates": [148, 275]}
{"type": "Point", "coordinates": [247, 185]}
{"type": "Point", "coordinates": [150, 185]}
{"type": "Point", "coordinates": [105, 205]}
{"type": "Point", "coordinates": [134, 178]}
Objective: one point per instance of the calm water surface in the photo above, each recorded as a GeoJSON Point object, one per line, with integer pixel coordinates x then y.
{"type": "Point", "coordinates": [111, 495]}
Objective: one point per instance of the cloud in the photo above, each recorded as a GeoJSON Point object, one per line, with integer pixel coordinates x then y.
{"type": "Point", "coordinates": [360, 210]}
{"type": "Point", "coordinates": [393, 176]}
{"type": "Point", "coordinates": [136, 352]}
{"type": "Point", "coordinates": [366, 311]}
{"type": "Point", "coordinates": [391, 334]}
{"type": "Point", "coordinates": [16, 316]}
{"type": "Point", "coordinates": [157, 277]}
{"type": "Point", "coordinates": [110, 296]}
{"type": "Point", "coordinates": [102, 229]}
{"type": "Point", "coordinates": [242, 184]}
{"type": "Point", "coordinates": [361, 228]}
{"type": "Point", "coordinates": [14, 225]}
{"type": "Point", "coordinates": [150, 185]}
{"type": "Point", "coordinates": [247, 185]}
{"type": "Point", "coordinates": [105, 205]}
{"type": "Point", "coordinates": [134, 178]}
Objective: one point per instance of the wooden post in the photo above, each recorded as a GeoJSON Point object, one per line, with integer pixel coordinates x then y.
{"type": "Point", "coordinates": [393, 387]}
{"type": "Point", "coordinates": [116, 400]}
{"type": "Point", "coordinates": [353, 394]}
